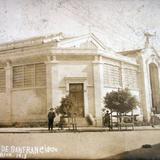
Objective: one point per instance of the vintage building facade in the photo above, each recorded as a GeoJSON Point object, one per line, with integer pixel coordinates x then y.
{"type": "Point", "coordinates": [36, 73]}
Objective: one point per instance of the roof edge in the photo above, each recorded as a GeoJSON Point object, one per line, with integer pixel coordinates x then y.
{"type": "Point", "coordinates": [33, 41]}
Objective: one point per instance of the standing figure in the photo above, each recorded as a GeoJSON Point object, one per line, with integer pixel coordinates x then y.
{"type": "Point", "coordinates": [153, 116]}
{"type": "Point", "coordinates": [51, 116]}
{"type": "Point", "coordinates": [107, 120]}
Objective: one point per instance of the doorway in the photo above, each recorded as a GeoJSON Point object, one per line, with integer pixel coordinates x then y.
{"type": "Point", "coordinates": [154, 82]}
{"type": "Point", "coordinates": [76, 91]}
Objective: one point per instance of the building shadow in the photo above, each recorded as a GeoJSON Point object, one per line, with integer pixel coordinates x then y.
{"type": "Point", "coordinates": [146, 152]}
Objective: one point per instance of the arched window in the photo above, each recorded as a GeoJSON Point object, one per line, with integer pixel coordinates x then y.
{"type": "Point", "coordinates": [155, 90]}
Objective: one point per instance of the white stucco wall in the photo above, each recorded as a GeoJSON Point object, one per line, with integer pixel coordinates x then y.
{"type": "Point", "coordinates": [74, 72]}
{"type": "Point", "coordinates": [4, 109]}
{"type": "Point", "coordinates": [29, 105]}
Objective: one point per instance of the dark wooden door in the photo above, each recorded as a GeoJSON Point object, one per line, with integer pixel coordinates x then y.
{"type": "Point", "coordinates": [76, 93]}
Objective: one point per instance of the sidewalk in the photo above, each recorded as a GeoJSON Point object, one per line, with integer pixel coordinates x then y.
{"type": "Point", "coordinates": [79, 129]}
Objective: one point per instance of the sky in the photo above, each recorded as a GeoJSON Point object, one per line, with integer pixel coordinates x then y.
{"type": "Point", "coordinates": [119, 24]}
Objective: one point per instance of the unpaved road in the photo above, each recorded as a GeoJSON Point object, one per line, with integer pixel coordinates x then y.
{"type": "Point", "coordinates": [92, 145]}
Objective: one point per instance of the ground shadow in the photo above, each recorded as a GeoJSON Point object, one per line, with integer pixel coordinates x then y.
{"type": "Point", "coordinates": [146, 152]}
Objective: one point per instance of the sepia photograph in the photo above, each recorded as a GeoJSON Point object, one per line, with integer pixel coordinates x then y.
{"type": "Point", "coordinates": [80, 79]}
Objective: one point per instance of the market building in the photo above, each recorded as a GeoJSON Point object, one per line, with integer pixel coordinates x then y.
{"type": "Point", "coordinates": [36, 73]}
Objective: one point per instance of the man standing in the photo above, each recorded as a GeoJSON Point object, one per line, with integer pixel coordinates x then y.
{"type": "Point", "coordinates": [108, 120]}
{"type": "Point", "coordinates": [153, 111]}
{"type": "Point", "coordinates": [51, 116]}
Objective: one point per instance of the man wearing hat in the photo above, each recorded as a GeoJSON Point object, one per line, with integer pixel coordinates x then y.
{"type": "Point", "coordinates": [51, 116]}
{"type": "Point", "coordinates": [107, 120]}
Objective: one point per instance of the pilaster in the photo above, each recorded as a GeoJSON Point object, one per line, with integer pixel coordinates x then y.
{"type": "Point", "coordinates": [145, 90]}
{"type": "Point", "coordinates": [52, 81]}
{"type": "Point", "coordinates": [8, 74]}
{"type": "Point", "coordinates": [98, 87]}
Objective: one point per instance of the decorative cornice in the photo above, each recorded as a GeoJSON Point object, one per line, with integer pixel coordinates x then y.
{"type": "Point", "coordinates": [46, 46]}
{"type": "Point", "coordinates": [32, 42]}
{"type": "Point", "coordinates": [51, 51]}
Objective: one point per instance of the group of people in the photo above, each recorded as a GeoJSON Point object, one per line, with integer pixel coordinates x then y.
{"type": "Point", "coordinates": [52, 115]}
{"type": "Point", "coordinates": [106, 119]}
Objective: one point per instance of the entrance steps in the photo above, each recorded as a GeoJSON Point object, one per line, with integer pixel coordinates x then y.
{"type": "Point", "coordinates": [82, 122]}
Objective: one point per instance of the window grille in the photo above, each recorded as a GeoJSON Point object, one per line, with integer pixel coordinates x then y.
{"type": "Point", "coordinates": [112, 75]}
{"type": "Point", "coordinates": [18, 76]}
{"type": "Point", "coordinates": [40, 72]}
{"type": "Point", "coordinates": [31, 75]}
{"type": "Point", "coordinates": [2, 80]}
{"type": "Point", "coordinates": [130, 78]}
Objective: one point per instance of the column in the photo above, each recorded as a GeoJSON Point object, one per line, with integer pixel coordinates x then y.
{"type": "Point", "coordinates": [145, 90]}
{"type": "Point", "coordinates": [55, 83]}
{"type": "Point", "coordinates": [8, 73]}
{"type": "Point", "coordinates": [49, 82]}
{"type": "Point", "coordinates": [52, 82]}
{"type": "Point", "coordinates": [98, 88]}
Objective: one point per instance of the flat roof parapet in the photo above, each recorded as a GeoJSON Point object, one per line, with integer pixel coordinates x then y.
{"type": "Point", "coordinates": [32, 41]}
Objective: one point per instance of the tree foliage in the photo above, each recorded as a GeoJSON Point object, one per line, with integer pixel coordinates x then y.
{"type": "Point", "coordinates": [66, 106]}
{"type": "Point", "coordinates": [120, 101]}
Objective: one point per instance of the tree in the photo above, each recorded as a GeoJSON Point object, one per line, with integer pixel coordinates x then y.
{"type": "Point", "coordinates": [65, 109]}
{"type": "Point", "coordinates": [66, 106]}
{"type": "Point", "coordinates": [121, 101]}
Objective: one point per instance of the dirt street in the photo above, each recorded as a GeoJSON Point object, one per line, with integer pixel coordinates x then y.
{"type": "Point", "coordinates": [92, 145]}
